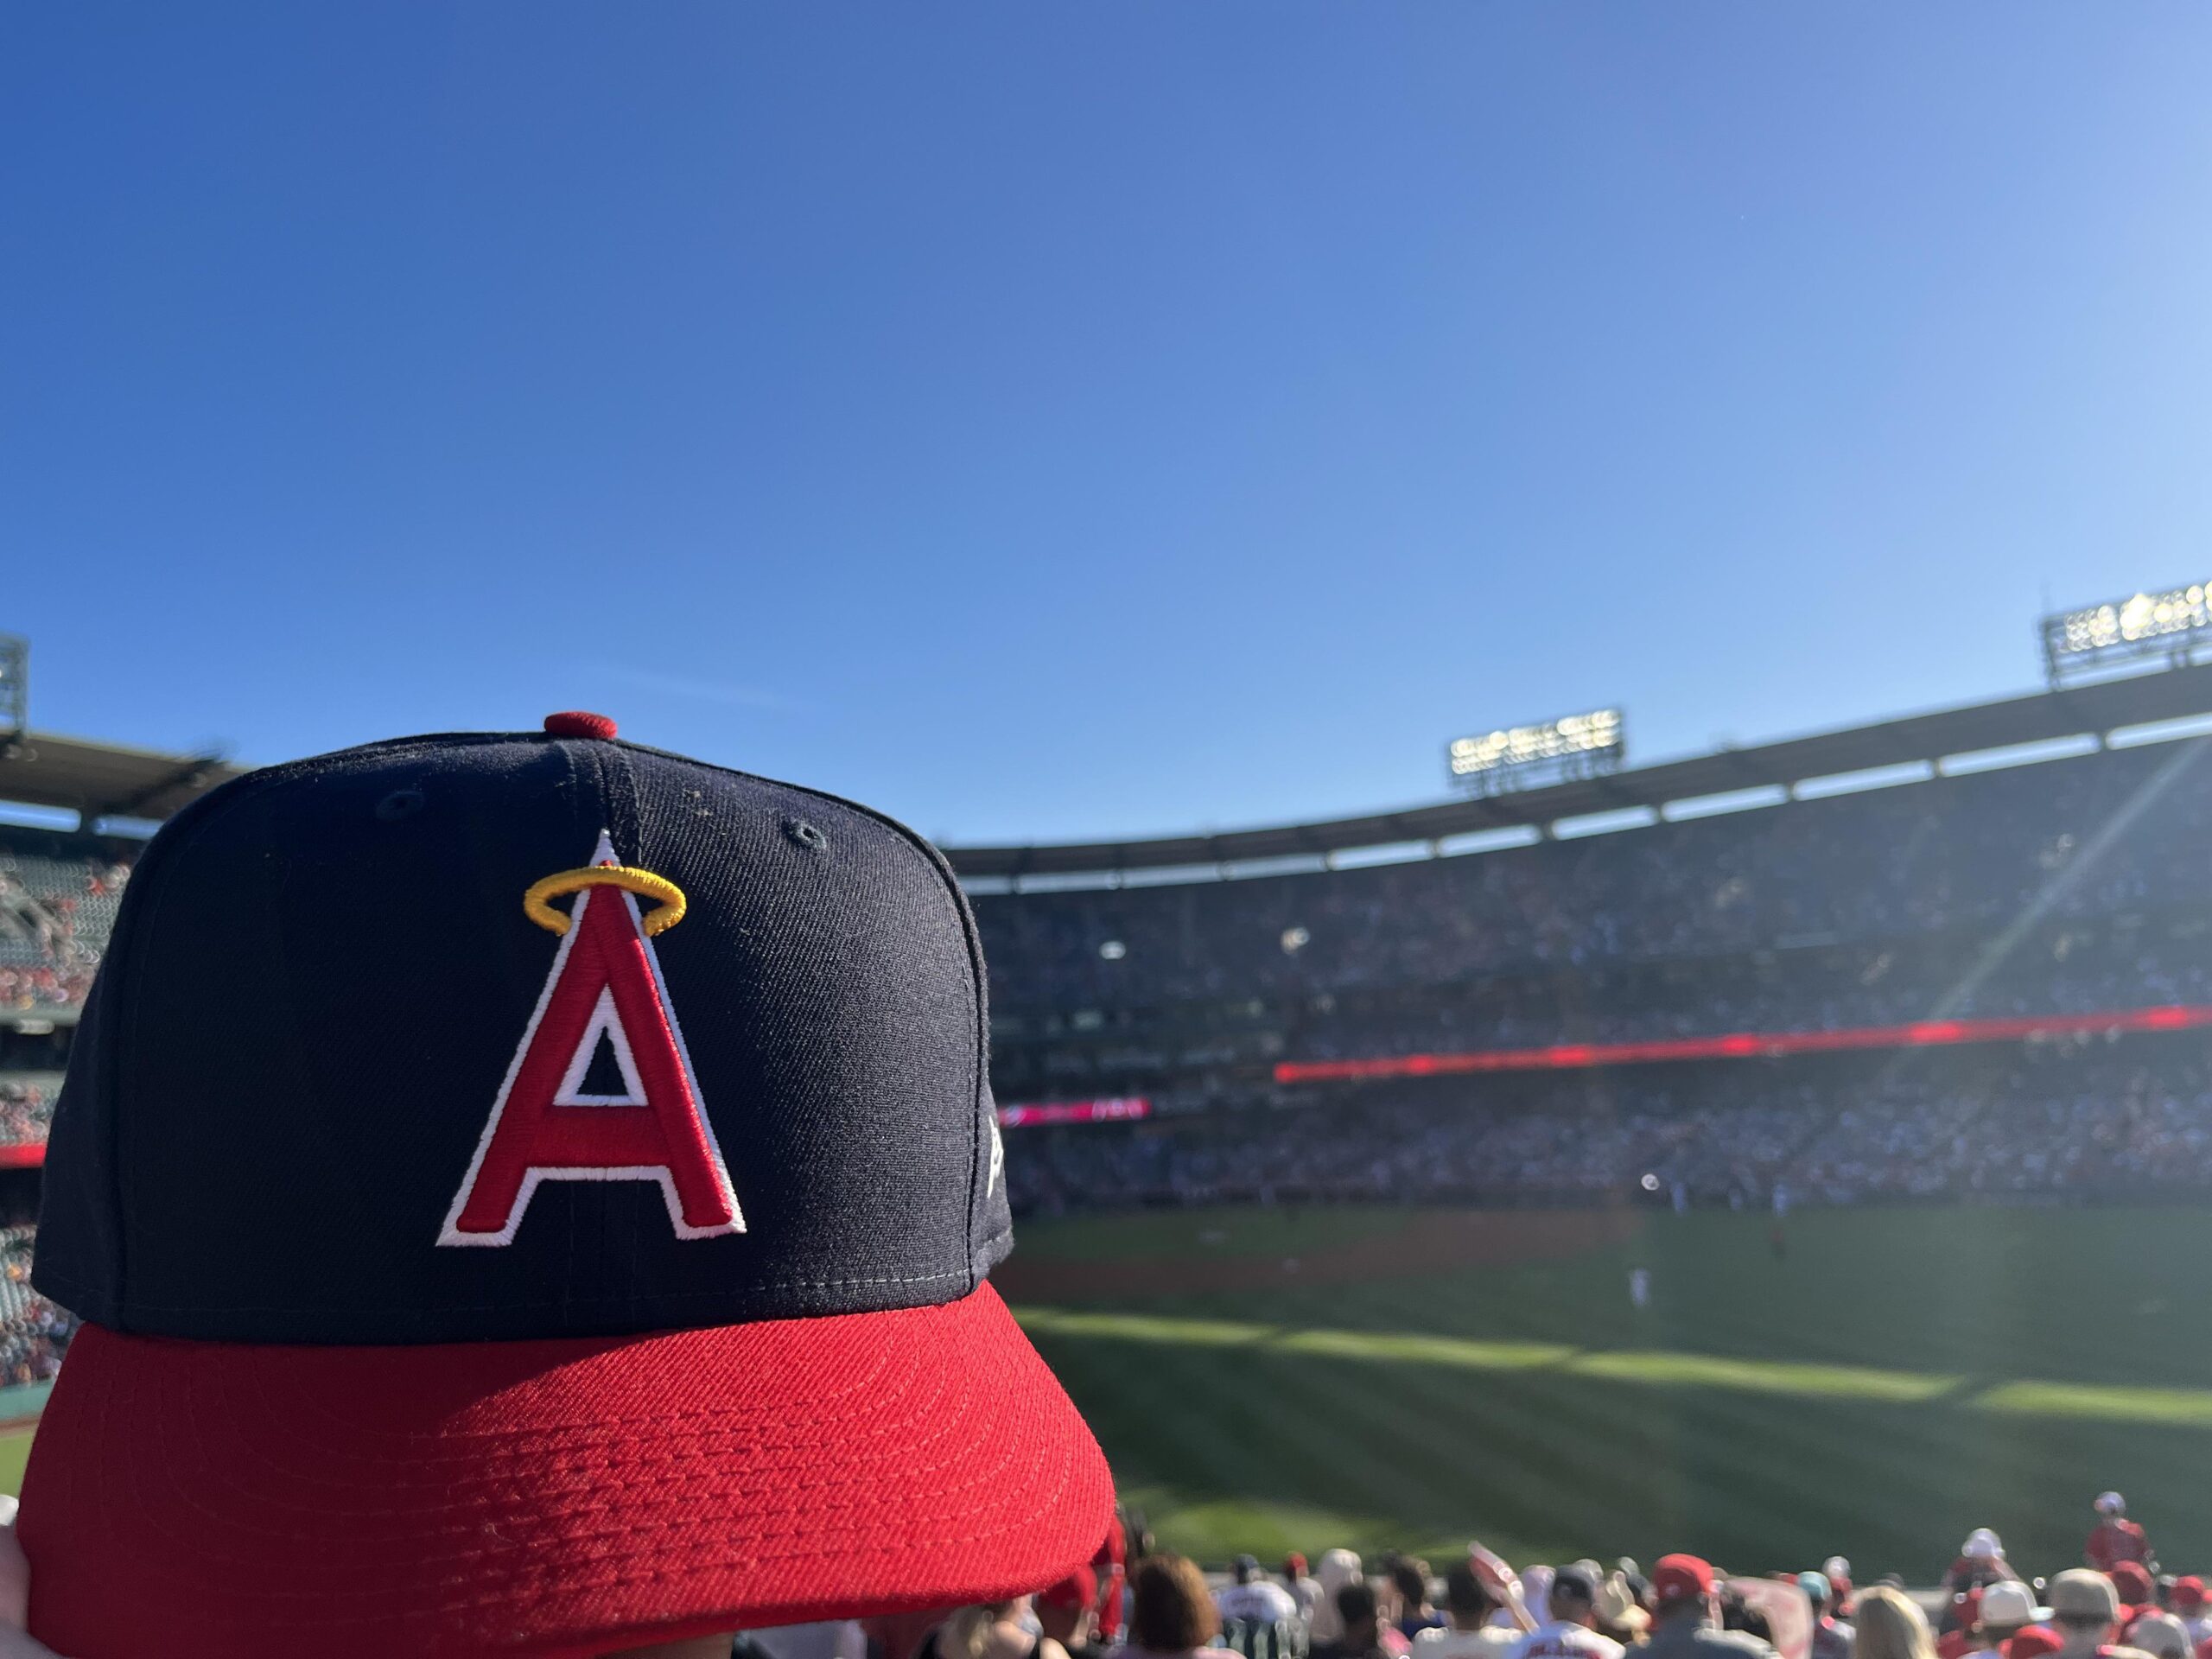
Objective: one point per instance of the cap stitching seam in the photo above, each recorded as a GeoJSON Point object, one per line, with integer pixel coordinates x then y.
{"type": "Point", "coordinates": [61, 1282]}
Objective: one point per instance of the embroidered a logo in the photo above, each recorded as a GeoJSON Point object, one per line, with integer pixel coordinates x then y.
{"type": "Point", "coordinates": [604, 995]}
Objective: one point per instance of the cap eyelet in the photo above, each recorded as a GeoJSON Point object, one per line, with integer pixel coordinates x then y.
{"type": "Point", "coordinates": [806, 834]}
{"type": "Point", "coordinates": [400, 803]}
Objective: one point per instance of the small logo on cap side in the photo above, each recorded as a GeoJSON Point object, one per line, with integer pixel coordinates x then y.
{"type": "Point", "coordinates": [605, 986]}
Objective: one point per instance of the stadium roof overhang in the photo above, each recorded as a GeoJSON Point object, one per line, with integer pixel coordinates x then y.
{"type": "Point", "coordinates": [2042, 717]}
{"type": "Point", "coordinates": [100, 780]}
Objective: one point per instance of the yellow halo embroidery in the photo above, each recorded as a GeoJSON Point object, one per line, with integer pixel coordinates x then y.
{"type": "Point", "coordinates": [644, 883]}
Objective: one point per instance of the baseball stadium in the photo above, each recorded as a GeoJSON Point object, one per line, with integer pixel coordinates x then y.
{"type": "Point", "coordinates": [1792, 1150]}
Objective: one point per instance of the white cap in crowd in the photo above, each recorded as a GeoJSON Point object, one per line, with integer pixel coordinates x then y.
{"type": "Point", "coordinates": [2008, 1605]}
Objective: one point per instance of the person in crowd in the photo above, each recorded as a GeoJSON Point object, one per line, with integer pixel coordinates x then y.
{"type": "Point", "coordinates": [2132, 1582]}
{"type": "Point", "coordinates": [1621, 1615]}
{"type": "Point", "coordinates": [1469, 1634]}
{"type": "Point", "coordinates": [1508, 1592]}
{"type": "Point", "coordinates": [1111, 1565]}
{"type": "Point", "coordinates": [2114, 1538]}
{"type": "Point", "coordinates": [1171, 1613]}
{"type": "Point", "coordinates": [1571, 1632]}
{"type": "Point", "coordinates": [1837, 1570]}
{"type": "Point", "coordinates": [1887, 1623]}
{"type": "Point", "coordinates": [1831, 1636]}
{"type": "Point", "coordinates": [992, 1629]}
{"type": "Point", "coordinates": [2085, 1609]}
{"type": "Point", "coordinates": [1737, 1613]}
{"type": "Point", "coordinates": [2035, 1641]}
{"type": "Point", "coordinates": [1686, 1615]}
{"type": "Point", "coordinates": [823, 1639]}
{"type": "Point", "coordinates": [1339, 1568]}
{"type": "Point", "coordinates": [2189, 1606]}
{"type": "Point", "coordinates": [1980, 1561]}
{"type": "Point", "coordinates": [1961, 1620]}
{"type": "Point", "coordinates": [1305, 1589]}
{"type": "Point", "coordinates": [2007, 1608]}
{"type": "Point", "coordinates": [895, 1635]}
{"type": "Point", "coordinates": [1360, 1626]}
{"type": "Point", "coordinates": [2162, 1636]}
{"type": "Point", "coordinates": [1410, 1578]}
{"type": "Point", "coordinates": [1067, 1612]}
{"type": "Point", "coordinates": [1253, 1596]}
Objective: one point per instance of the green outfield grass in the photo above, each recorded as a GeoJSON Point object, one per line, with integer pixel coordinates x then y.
{"type": "Point", "coordinates": [1897, 1378]}
{"type": "Point", "coordinates": [15, 1452]}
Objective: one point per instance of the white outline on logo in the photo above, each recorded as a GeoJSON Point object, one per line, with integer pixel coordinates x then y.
{"type": "Point", "coordinates": [578, 1065]}
{"type": "Point", "coordinates": [607, 1022]}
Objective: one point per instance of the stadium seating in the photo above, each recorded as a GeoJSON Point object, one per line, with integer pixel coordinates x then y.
{"type": "Point", "coordinates": [33, 1333]}
{"type": "Point", "coordinates": [58, 900]}
{"type": "Point", "coordinates": [2107, 1121]}
{"type": "Point", "coordinates": [2062, 889]}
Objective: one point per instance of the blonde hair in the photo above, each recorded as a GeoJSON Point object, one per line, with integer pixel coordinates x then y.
{"type": "Point", "coordinates": [967, 1633]}
{"type": "Point", "coordinates": [1890, 1625]}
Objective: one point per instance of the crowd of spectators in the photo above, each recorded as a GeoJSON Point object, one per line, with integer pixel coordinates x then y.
{"type": "Point", "coordinates": [33, 1333]}
{"type": "Point", "coordinates": [58, 900]}
{"type": "Point", "coordinates": [2071, 969]}
{"type": "Point", "coordinates": [2075, 839]}
{"type": "Point", "coordinates": [26, 1100]}
{"type": "Point", "coordinates": [1136, 1603]}
{"type": "Point", "coordinates": [2130, 1119]}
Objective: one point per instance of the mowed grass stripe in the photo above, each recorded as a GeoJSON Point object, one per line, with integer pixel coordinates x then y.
{"type": "Point", "coordinates": [1553, 1458]}
{"type": "Point", "coordinates": [1650, 1368]}
{"type": "Point", "coordinates": [1234, 1423]}
{"type": "Point", "coordinates": [2114, 1403]}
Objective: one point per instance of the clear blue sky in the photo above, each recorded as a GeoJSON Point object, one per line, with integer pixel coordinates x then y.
{"type": "Point", "coordinates": [1047, 420]}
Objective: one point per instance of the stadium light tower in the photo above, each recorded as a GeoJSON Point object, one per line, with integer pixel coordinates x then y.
{"type": "Point", "coordinates": [15, 686]}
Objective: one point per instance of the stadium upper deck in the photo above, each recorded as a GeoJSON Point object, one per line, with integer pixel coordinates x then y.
{"type": "Point", "coordinates": [2076, 720]}
{"type": "Point", "coordinates": [1984, 900]}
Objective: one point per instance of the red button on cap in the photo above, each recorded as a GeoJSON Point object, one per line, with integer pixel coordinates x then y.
{"type": "Point", "coordinates": [575, 722]}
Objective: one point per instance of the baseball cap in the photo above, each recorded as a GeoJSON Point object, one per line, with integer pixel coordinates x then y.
{"type": "Point", "coordinates": [2132, 1580]}
{"type": "Point", "coordinates": [1676, 1579]}
{"type": "Point", "coordinates": [534, 1191]}
{"type": "Point", "coordinates": [2032, 1642]}
{"type": "Point", "coordinates": [1617, 1606]}
{"type": "Point", "coordinates": [1574, 1583]}
{"type": "Point", "coordinates": [2189, 1591]}
{"type": "Point", "coordinates": [1817, 1587]}
{"type": "Point", "coordinates": [2161, 1635]}
{"type": "Point", "coordinates": [2009, 1602]}
{"type": "Point", "coordinates": [1078, 1589]}
{"type": "Point", "coordinates": [2080, 1593]}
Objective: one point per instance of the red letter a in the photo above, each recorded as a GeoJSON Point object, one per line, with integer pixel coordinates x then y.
{"type": "Point", "coordinates": [605, 985]}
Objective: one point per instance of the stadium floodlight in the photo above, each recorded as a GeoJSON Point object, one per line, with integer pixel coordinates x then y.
{"type": "Point", "coordinates": [1516, 756]}
{"type": "Point", "coordinates": [2171, 623]}
{"type": "Point", "coordinates": [14, 686]}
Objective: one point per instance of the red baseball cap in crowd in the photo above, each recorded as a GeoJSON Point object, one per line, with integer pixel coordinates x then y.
{"type": "Point", "coordinates": [2033, 1642]}
{"type": "Point", "coordinates": [2132, 1580]}
{"type": "Point", "coordinates": [1676, 1579]}
{"type": "Point", "coordinates": [1078, 1589]}
{"type": "Point", "coordinates": [533, 1193]}
{"type": "Point", "coordinates": [2189, 1591]}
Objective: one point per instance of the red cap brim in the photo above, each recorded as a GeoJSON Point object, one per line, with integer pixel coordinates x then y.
{"type": "Point", "coordinates": [549, 1497]}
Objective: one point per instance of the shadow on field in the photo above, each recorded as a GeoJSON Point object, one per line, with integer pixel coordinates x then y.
{"type": "Point", "coordinates": [1893, 1380]}
{"type": "Point", "coordinates": [1253, 1448]}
